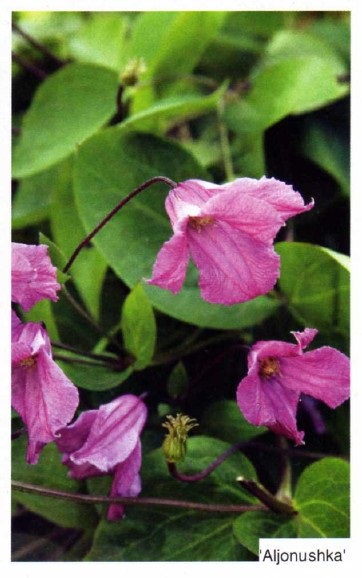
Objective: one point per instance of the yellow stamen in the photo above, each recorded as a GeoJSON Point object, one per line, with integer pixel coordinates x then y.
{"type": "Point", "coordinates": [28, 361]}
{"type": "Point", "coordinates": [268, 367]}
{"type": "Point", "coordinates": [199, 223]}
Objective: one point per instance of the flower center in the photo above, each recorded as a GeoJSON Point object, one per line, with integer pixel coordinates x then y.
{"type": "Point", "coordinates": [28, 361]}
{"type": "Point", "coordinates": [199, 223]}
{"type": "Point", "coordinates": [268, 367]}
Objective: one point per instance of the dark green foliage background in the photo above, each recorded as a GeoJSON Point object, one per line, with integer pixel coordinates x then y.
{"type": "Point", "coordinates": [216, 95]}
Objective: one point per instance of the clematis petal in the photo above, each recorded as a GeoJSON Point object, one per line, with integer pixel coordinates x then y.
{"type": "Point", "coordinates": [73, 436]}
{"type": "Point", "coordinates": [279, 372]}
{"type": "Point", "coordinates": [263, 349]}
{"type": "Point", "coordinates": [304, 338]}
{"type": "Point", "coordinates": [170, 267]}
{"type": "Point", "coordinates": [126, 481]}
{"type": "Point", "coordinates": [113, 434]}
{"type": "Point", "coordinates": [45, 399]}
{"type": "Point", "coordinates": [310, 407]}
{"type": "Point", "coordinates": [322, 374]}
{"type": "Point", "coordinates": [282, 348]}
{"type": "Point", "coordinates": [41, 393]}
{"type": "Point", "coordinates": [282, 197]}
{"type": "Point", "coordinates": [269, 403]}
{"type": "Point", "coordinates": [33, 277]}
{"type": "Point", "coordinates": [233, 266]}
{"type": "Point", "coordinates": [237, 220]}
{"type": "Point", "coordinates": [252, 216]}
{"type": "Point", "coordinates": [187, 199]}
{"type": "Point", "coordinates": [15, 321]}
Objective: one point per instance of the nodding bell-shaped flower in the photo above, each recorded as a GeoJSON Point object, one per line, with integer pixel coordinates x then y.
{"type": "Point", "coordinates": [107, 441]}
{"type": "Point", "coordinates": [228, 232]}
{"type": "Point", "coordinates": [33, 277]}
{"type": "Point", "coordinates": [279, 372]}
{"type": "Point", "coordinates": [42, 395]}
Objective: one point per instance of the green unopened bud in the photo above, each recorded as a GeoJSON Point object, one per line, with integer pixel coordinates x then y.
{"type": "Point", "coordinates": [132, 72]}
{"type": "Point", "coordinates": [174, 445]}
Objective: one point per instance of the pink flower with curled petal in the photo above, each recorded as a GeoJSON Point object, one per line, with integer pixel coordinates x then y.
{"type": "Point", "coordinates": [33, 277]}
{"type": "Point", "coordinates": [42, 395]}
{"type": "Point", "coordinates": [228, 232]}
{"type": "Point", "coordinates": [107, 441]}
{"type": "Point", "coordinates": [278, 372]}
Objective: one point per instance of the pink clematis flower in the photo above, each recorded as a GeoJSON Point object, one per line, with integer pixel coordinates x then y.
{"type": "Point", "coordinates": [42, 395]}
{"type": "Point", "coordinates": [33, 277]}
{"type": "Point", "coordinates": [228, 232]}
{"type": "Point", "coordinates": [107, 441]}
{"type": "Point", "coordinates": [279, 372]}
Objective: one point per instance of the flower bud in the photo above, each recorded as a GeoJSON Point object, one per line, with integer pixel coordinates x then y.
{"type": "Point", "coordinates": [174, 445]}
{"type": "Point", "coordinates": [132, 72]}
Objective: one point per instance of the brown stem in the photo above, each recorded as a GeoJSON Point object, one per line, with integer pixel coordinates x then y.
{"type": "Point", "coordinates": [273, 503]}
{"type": "Point", "coordinates": [81, 353]}
{"type": "Point", "coordinates": [115, 210]}
{"type": "Point", "coordinates": [28, 66]}
{"type": "Point", "coordinates": [87, 499]}
{"type": "Point", "coordinates": [37, 45]}
{"type": "Point", "coordinates": [16, 434]}
{"type": "Point", "coordinates": [116, 363]}
{"type": "Point", "coordinates": [79, 361]}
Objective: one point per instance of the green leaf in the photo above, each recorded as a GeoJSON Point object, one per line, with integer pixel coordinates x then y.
{"type": "Point", "coordinates": [70, 105]}
{"type": "Point", "coordinates": [171, 44]}
{"type": "Point", "coordinates": [108, 167]}
{"type": "Point", "coordinates": [188, 306]}
{"type": "Point", "coordinates": [225, 420]}
{"type": "Point", "coordinates": [139, 327]}
{"type": "Point", "coordinates": [184, 41]}
{"type": "Point", "coordinates": [101, 40]}
{"type": "Point", "coordinates": [151, 535]}
{"type": "Point", "coordinates": [49, 472]}
{"type": "Point", "coordinates": [252, 526]}
{"type": "Point", "coordinates": [337, 33]}
{"type": "Point", "coordinates": [178, 380]}
{"type": "Point", "coordinates": [293, 85]}
{"type": "Point", "coordinates": [315, 283]}
{"type": "Point", "coordinates": [32, 200]}
{"type": "Point", "coordinates": [89, 268]}
{"type": "Point", "coordinates": [147, 34]}
{"type": "Point", "coordinates": [159, 117]}
{"type": "Point", "coordinates": [328, 149]}
{"type": "Point", "coordinates": [260, 25]}
{"type": "Point", "coordinates": [322, 500]}
{"type": "Point", "coordinates": [94, 377]}
{"type": "Point", "coordinates": [43, 312]}
{"type": "Point", "coordinates": [295, 43]}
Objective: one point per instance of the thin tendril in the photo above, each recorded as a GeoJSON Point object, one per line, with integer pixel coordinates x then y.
{"type": "Point", "coordinates": [111, 214]}
{"type": "Point", "coordinates": [284, 451]}
{"type": "Point", "coordinates": [206, 471]}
